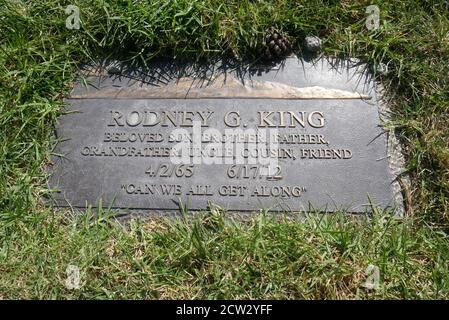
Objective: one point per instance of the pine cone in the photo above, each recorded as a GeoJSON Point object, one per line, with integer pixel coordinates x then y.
{"type": "Point", "coordinates": [275, 45]}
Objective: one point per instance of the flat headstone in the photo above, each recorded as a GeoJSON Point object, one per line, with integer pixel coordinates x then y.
{"type": "Point", "coordinates": [296, 136]}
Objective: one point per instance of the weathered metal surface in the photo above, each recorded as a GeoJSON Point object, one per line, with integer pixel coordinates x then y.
{"type": "Point", "coordinates": [221, 87]}
{"type": "Point", "coordinates": [331, 148]}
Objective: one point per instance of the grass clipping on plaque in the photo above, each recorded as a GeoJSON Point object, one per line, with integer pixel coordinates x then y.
{"type": "Point", "coordinates": [44, 254]}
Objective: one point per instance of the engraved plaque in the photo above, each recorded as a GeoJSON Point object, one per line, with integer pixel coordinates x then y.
{"type": "Point", "coordinates": [293, 137]}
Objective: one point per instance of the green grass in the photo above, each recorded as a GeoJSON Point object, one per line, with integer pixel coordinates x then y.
{"type": "Point", "coordinates": [214, 257]}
